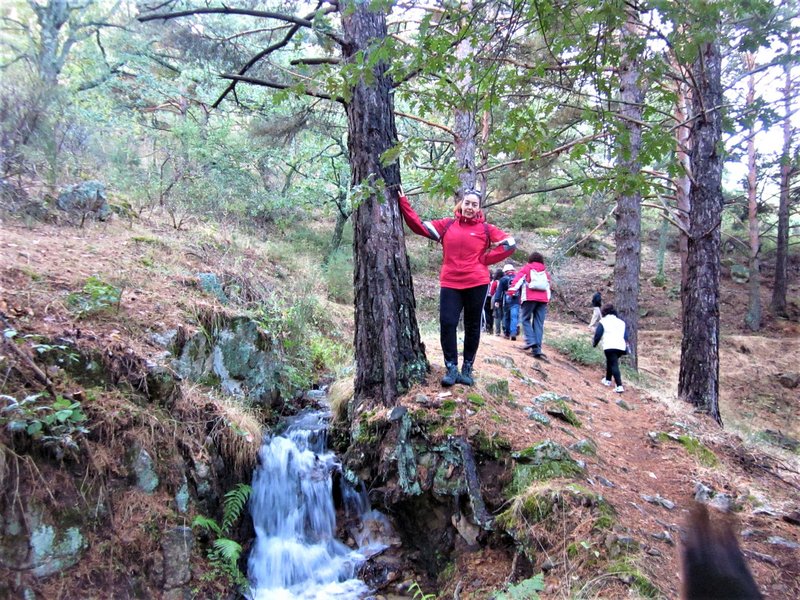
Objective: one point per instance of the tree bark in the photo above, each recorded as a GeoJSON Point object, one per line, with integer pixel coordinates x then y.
{"type": "Point", "coordinates": [780, 285]}
{"type": "Point", "coordinates": [753, 317]}
{"type": "Point", "coordinates": [389, 354]}
{"type": "Point", "coordinates": [699, 372]}
{"type": "Point", "coordinates": [465, 130]}
{"type": "Point", "coordinates": [629, 209]}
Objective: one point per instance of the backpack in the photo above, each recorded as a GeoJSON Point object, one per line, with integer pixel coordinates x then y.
{"type": "Point", "coordinates": [538, 281]}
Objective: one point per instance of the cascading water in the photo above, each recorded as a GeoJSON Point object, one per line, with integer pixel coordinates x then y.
{"type": "Point", "coordinates": [296, 555]}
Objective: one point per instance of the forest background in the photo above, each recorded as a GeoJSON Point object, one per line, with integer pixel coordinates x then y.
{"type": "Point", "coordinates": [294, 123]}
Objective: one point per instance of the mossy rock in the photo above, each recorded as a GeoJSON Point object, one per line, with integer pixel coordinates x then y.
{"type": "Point", "coordinates": [494, 446]}
{"type": "Point", "coordinates": [630, 574]}
{"type": "Point", "coordinates": [547, 460]}
{"type": "Point", "coordinates": [498, 389]}
{"type": "Point", "coordinates": [585, 446]}
{"type": "Point", "coordinates": [476, 400]}
{"type": "Point", "coordinates": [448, 408]}
{"type": "Point", "coordinates": [560, 410]}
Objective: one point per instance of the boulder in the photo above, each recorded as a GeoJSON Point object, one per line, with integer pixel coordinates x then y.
{"type": "Point", "coordinates": [85, 198]}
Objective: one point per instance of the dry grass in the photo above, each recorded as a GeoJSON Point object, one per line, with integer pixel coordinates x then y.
{"type": "Point", "coordinates": [340, 394]}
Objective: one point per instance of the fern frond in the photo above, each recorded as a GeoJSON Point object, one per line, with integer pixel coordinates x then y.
{"type": "Point", "coordinates": [233, 505]}
{"type": "Point", "coordinates": [206, 523]}
{"type": "Point", "coordinates": [228, 550]}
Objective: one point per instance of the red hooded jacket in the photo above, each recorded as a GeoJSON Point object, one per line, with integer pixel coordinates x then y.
{"type": "Point", "coordinates": [467, 252]}
{"type": "Point", "coordinates": [529, 295]}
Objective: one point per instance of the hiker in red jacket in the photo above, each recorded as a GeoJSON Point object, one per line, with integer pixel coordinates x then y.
{"type": "Point", "coordinates": [534, 281]}
{"type": "Point", "coordinates": [469, 245]}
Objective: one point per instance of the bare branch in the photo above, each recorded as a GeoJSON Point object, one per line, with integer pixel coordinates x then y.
{"type": "Point", "coordinates": [553, 152]}
{"type": "Point", "coordinates": [279, 86]}
{"type": "Point", "coordinates": [421, 120]}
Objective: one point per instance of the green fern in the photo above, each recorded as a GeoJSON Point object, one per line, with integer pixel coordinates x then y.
{"type": "Point", "coordinates": [228, 550]}
{"type": "Point", "coordinates": [233, 505]}
{"type": "Point", "coordinates": [525, 590]}
{"type": "Point", "coordinates": [206, 523]}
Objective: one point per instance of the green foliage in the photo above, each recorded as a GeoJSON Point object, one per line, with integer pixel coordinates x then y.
{"type": "Point", "coordinates": [579, 350]}
{"type": "Point", "coordinates": [627, 570]}
{"type": "Point", "coordinates": [338, 275]}
{"type": "Point", "coordinates": [224, 552]}
{"type": "Point", "coordinates": [418, 594]}
{"type": "Point", "coordinates": [527, 589]}
{"type": "Point", "coordinates": [53, 423]}
{"type": "Point", "coordinates": [97, 296]}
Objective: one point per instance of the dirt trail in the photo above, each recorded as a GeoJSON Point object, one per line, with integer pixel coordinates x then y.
{"type": "Point", "coordinates": [630, 464]}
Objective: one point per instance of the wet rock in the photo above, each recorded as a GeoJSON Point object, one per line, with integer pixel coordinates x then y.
{"type": "Point", "coordinates": [176, 550]}
{"type": "Point", "coordinates": [659, 501]}
{"type": "Point", "coordinates": [141, 465]}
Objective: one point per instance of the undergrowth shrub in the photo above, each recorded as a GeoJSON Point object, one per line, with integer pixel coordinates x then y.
{"type": "Point", "coordinates": [56, 424]}
{"type": "Point", "coordinates": [96, 296]}
{"type": "Point", "coordinates": [338, 276]}
{"type": "Point", "coordinates": [579, 350]}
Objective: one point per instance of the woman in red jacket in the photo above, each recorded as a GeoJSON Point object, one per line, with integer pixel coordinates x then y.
{"type": "Point", "coordinates": [469, 245]}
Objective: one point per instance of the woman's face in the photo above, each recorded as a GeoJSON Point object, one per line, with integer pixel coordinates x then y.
{"type": "Point", "coordinates": [470, 205]}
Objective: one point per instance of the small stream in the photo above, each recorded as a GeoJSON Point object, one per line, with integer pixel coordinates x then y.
{"type": "Point", "coordinates": [296, 554]}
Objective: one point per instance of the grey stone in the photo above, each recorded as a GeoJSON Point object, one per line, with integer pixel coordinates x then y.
{"type": "Point", "coordinates": [164, 339]}
{"type": "Point", "coordinates": [779, 541]}
{"type": "Point", "coordinates": [142, 466]}
{"type": "Point", "coordinates": [585, 446]}
{"type": "Point", "coordinates": [86, 197]}
{"type": "Point", "coordinates": [211, 284]}
{"type": "Point", "coordinates": [664, 536]}
{"type": "Point", "coordinates": [702, 493]}
{"type": "Point", "coordinates": [176, 549]}
{"type": "Point", "coordinates": [182, 497]}
{"type": "Point", "coordinates": [789, 380]}
{"type": "Point", "coordinates": [503, 361]}
{"type": "Point", "coordinates": [535, 415]}
{"type": "Point", "coordinates": [740, 274]}
{"type": "Point", "coordinates": [659, 501]}
{"type": "Point", "coordinates": [605, 481]}
{"type": "Point", "coordinates": [397, 413]}
{"type": "Point", "coordinates": [624, 405]}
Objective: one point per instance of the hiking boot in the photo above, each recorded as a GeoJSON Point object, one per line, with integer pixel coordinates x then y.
{"type": "Point", "coordinates": [452, 374]}
{"type": "Point", "coordinates": [619, 389]}
{"type": "Point", "coordinates": [540, 355]}
{"type": "Point", "coordinates": [605, 382]}
{"type": "Point", "coordinates": [465, 376]}
{"type": "Point", "coordinates": [513, 338]}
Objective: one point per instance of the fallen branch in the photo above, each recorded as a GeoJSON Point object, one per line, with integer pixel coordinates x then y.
{"type": "Point", "coordinates": [41, 376]}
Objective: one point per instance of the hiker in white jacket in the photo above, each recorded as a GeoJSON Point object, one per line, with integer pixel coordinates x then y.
{"type": "Point", "coordinates": [611, 329]}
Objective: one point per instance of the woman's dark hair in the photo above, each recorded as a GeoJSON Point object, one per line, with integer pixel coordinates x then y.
{"type": "Point", "coordinates": [498, 273]}
{"type": "Point", "coordinates": [608, 309]}
{"type": "Point", "coordinates": [536, 257]}
{"type": "Point", "coordinates": [597, 300]}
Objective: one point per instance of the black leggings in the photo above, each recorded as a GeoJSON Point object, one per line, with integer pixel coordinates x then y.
{"type": "Point", "coordinates": [451, 303]}
{"type": "Point", "coordinates": [612, 365]}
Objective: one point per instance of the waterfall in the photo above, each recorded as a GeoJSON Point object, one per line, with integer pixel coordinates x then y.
{"type": "Point", "coordinates": [296, 554]}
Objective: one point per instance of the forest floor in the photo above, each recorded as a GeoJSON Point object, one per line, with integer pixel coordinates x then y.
{"type": "Point", "coordinates": [42, 265]}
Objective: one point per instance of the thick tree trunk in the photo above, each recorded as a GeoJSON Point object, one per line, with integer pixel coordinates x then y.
{"type": "Point", "coordinates": [389, 354]}
{"type": "Point", "coordinates": [699, 373]}
{"type": "Point", "coordinates": [629, 209]}
{"type": "Point", "coordinates": [779, 288]}
{"type": "Point", "coordinates": [753, 317]}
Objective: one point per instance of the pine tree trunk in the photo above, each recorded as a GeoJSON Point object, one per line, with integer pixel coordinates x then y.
{"type": "Point", "coordinates": [465, 130]}
{"type": "Point", "coordinates": [779, 288]}
{"type": "Point", "coordinates": [389, 354]}
{"type": "Point", "coordinates": [629, 208]}
{"type": "Point", "coordinates": [699, 372]}
{"type": "Point", "coordinates": [683, 182]}
{"type": "Point", "coordinates": [753, 317]}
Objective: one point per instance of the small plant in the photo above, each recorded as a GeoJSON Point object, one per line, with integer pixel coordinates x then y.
{"type": "Point", "coordinates": [524, 590]}
{"type": "Point", "coordinates": [579, 350]}
{"type": "Point", "coordinates": [54, 425]}
{"type": "Point", "coordinates": [96, 296]}
{"type": "Point", "coordinates": [224, 552]}
{"type": "Point", "coordinates": [419, 594]}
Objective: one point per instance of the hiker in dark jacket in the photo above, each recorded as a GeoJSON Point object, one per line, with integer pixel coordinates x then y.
{"type": "Point", "coordinates": [509, 302]}
{"type": "Point", "coordinates": [497, 310]}
{"type": "Point", "coordinates": [597, 302]}
{"type": "Point", "coordinates": [614, 333]}
{"type": "Point", "coordinates": [469, 245]}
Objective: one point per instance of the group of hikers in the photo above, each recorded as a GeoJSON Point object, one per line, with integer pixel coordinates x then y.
{"type": "Point", "coordinates": [502, 302]}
